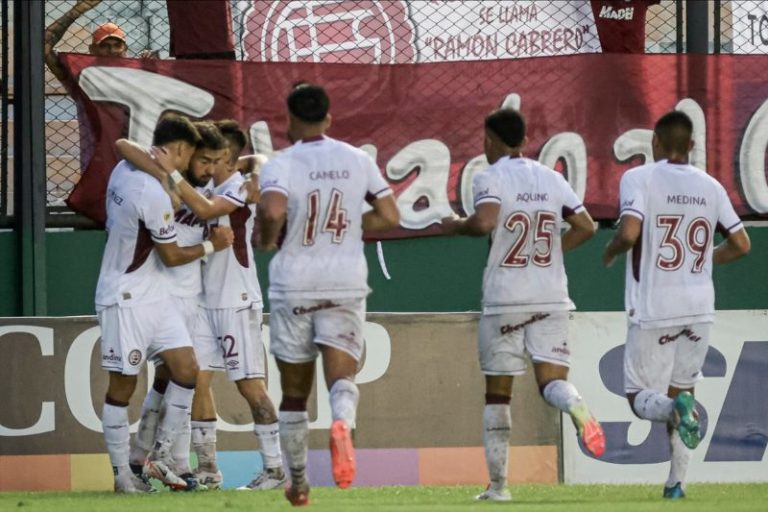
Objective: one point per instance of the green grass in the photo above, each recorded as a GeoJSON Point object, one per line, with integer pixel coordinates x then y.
{"type": "Point", "coordinates": [536, 498]}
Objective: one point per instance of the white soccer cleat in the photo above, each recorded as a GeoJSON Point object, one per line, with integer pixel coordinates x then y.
{"type": "Point", "coordinates": [128, 483]}
{"type": "Point", "coordinates": [211, 480]}
{"type": "Point", "coordinates": [490, 494]}
{"type": "Point", "coordinates": [161, 471]}
{"type": "Point", "coordinates": [270, 478]}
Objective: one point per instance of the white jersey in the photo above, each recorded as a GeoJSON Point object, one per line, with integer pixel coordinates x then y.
{"type": "Point", "coordinates": [139, 214]}
{"type": "Point", "coordinates": [229, 276]}
{"type": "Point", "coordinates": [525, 270]}
{"type": "Point", "coordinates": [669, 271]}
{"type": "Point", "coordinates": [187, 279]}
{"type": "Point", "coordinates": [327, 183]}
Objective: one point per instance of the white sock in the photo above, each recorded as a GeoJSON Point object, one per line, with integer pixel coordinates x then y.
{"type": "Point", "coordinates": [561, 394]}
{"type": "Point", "coordinates": [269, 444]}
{"type": "Point", "coordinates": [114, 422]}
{"type": "Point", "coordinates": [294, 440]}
{"type": "Point", "coordinates": [654, 406]}
{"type": "Point", "coordinates": [145, 437]}
{"type": "Point", "coordinates": [680, 455]}
{"type": "Point", "coordinates": [178, 404]}
{"type": "Point", "coordinates": [497, 428]}
{"type": "Point", "coordinates": [180, 448]}
{"type": "Point", "coordinates": [204, 444]}
{"type": "Point", "coordinates": [344, 397]}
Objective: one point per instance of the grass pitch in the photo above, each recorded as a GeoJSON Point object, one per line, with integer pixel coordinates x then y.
{"type": "Point", "coordinates": [535, 498]}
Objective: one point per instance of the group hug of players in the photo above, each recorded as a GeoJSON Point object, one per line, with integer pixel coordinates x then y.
{"type": "Point", "coordinates": [178, 286]}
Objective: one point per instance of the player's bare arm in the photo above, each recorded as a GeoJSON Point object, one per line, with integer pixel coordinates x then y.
{"type": "Point", "coordinates": [272, 209]}
{"type": "Point", "coordinates": [143, 160]}
{"type": "Point", "coordinates": [56, 31]}
{"type": "Point", "coordinates": [221, 237]}
{"type": "Point", "coordinates": [582, 229]}
{"type": "Point", "coordinates": [480, 223]}
{"type": "Point", "coordinates": [732, 248]}
{"type": "Point", "coordinates": [384, 216]}
{"type": "Point", "coordinates": [629, 231]}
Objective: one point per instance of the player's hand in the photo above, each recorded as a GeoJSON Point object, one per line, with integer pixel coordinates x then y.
{"type": "Point", "coordinates": [251, 187]}
{"type": "Point", "coordinates": [221, 237]}
{"type": "Point", "coordinates": [450, 225]}
{"type": "Point", "coordinates": [163, 158]}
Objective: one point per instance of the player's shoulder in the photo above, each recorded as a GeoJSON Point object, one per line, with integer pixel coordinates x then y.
{"type": "Point", "coordinates": [639, 173]}
{"type": "Point", "coordinates": [346, 148]}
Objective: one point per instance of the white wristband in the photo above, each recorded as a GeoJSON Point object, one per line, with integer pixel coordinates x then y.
{"type": "Point", "coordinates": [176, 177]}
{"type": "Point", "coordinates": [208, 247]}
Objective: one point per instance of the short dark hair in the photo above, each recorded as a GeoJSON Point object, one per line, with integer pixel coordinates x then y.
{"type": "Point", "coordinates": [175, 128]}
{"type": "Point", "coordinates": [508, 125]}
{"type": "Point", "coordinates": [235, 136]}
{"type": "Point", "coordinates": [210, 136]}
{"type": "Point", "coordinates": [674, 131]}
{"type": "Point", "coordinates": [309, 102]}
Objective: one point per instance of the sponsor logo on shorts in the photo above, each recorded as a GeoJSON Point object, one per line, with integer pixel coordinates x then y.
{"type": "Point", "coordinates": [667, 338]}
{"type": "Point", "coordinates": [348, 337]}
{"type": "Point", "coordinates": [233, 364]}
{"type": "Point", "coordinates": [111, 357]}
{"type": "Point", "coordinates": [562, 350]}
{"type": "Point", "coordinates": [326, 304]}
{"type": "Point", "coordinates": [507, 329]}
{"type": "Point", "coordinates": [134, 357]}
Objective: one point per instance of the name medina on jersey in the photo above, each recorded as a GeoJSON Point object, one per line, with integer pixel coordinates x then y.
{"type": "Point", "coordinates": [623, 14]}
{"type": "Point", "coordinates": [683, 199]}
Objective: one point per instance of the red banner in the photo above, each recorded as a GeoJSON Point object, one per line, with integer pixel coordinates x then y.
{"type": "Point", "coordinates": [589, 116]}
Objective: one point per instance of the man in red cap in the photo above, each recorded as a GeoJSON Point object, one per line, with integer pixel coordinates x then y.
{"type": "Point", "coordinates": [108, 39]}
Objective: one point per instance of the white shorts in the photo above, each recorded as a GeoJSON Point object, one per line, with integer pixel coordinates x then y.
{"type": "Point", "coordinates": [130, 336]}
{"type": "Point", "coordinates": [297, 326]}
{"type": "Point", "coordinates": [192, 314]}
{"type": "Point", "coordinates": [657, 358]}
{"type": "Point", "coordinates": [230, 339]}
{"type": "Point", "coordinates": [505, 339]}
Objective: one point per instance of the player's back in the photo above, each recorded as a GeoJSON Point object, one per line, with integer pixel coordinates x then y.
{"type": "Point", "coordinates": [138, 211]}
{"type": "Point", "coordinates": [669, 272]}
{"type": "Point", "coordinates": [525, 269]}
{"type": "Point", "coordinates": [326, 182]}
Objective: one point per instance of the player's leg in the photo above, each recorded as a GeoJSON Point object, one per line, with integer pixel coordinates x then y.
{"type": "Point", "coordinates": [150, 416]}
{"type": "Point", "coordinates": [267, 431]}
{"type": "Point", "coordinates": [204, 430]}
{"type": "Point", "coordinates": [546, 339]}
{"type": "Point", "coordinates": [684, 431]}
{"type": "Point", "coordinates": [648, 368]}
{"type": "Point", "coordinates": [291, 343]}
{"type": "Point", "coordinates": [501, 354]}
{"type": "Point", "coordinates": [339, 334]}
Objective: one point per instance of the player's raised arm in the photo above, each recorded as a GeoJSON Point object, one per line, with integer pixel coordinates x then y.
{"type": "Point", "coordinates": [141, 158]}
{"type": "Point", "coordinates": [221, 237]}
{"type": "Point", "coordinates": [582, 229]}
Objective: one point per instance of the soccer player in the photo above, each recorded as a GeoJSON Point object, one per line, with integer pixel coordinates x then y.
{"type": "Point", "coordinates": [523, 204]}
{"type": "Point", "coordinates": [317, 189]}
{"type": "Point", "coordinates": [231, 335]}
{"type": "Point", "coordinates": [137, 317]}
{"type": "Point", "coordinates": [187, 289]}
{"type": "Point", "coordinates": [669, 213]}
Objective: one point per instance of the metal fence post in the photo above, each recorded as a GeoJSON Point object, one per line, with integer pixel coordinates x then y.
{"type": "Point", "coordinates": [29, 154]}
{"type": "Point", "coordinates": [697, 27]}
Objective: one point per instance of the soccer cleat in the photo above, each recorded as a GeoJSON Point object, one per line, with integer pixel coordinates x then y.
{"type": "Point", "coordinates": [590, 431]}
{"type": "Point", "coordinates": [298, 495]}
{"type": "Point", "coordinates": [160, 470]}
{"type": "Point", "coordinates": [490, 494]}
{"type": "Point", "coordinates": [209, 479]}
{"type": "Point", "coordinates": [129, 483]}
{"type": "Point", "coordinates": [193, 484]}
{"type": "Point", "coordinates": [270, 478]}
{"type": "Point", "coordinates": [686, 420]}
{"type": "Point", "coordinates": [675, 492]}
{"type": "Point", "coordinates": [342, 454]}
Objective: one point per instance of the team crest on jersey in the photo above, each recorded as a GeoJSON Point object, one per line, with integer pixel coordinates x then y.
{"type": "Point", "coordinates": [134, 357]}
{"type": "Point", "coordinates": [167, 216]}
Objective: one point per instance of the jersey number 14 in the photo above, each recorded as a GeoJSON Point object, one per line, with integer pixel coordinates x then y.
{"type": "Point", "coordinates": [336, 218]}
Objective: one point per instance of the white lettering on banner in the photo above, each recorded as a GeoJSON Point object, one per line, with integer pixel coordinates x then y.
{"type": "Point", "coordinates": [47, 420]}
{"type": "Point", "coordinates": [752, 159]}
{"type": "Point", "coordinates": [147, 95]}
{"type": "Point", "coordinates": [750, 26]}
{"type": "Point", "coordinates": [733, 448]}
{"type": "Point", "coordinates": [425, 201]}
{"type": "Point", "coordinates": [570, 147]}
{"type": "Point", "coordinates": [632, 143]}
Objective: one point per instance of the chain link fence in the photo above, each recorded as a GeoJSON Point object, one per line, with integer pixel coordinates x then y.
{"type": "Point", "coordinates": [363, 31]}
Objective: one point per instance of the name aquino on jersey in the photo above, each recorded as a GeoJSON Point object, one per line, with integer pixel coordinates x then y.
{"type": "Point", "coordinates": [532, 197]}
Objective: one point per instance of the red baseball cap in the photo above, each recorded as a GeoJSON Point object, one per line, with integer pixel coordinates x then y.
{"type": "Point", "coordinates": [108, 30]}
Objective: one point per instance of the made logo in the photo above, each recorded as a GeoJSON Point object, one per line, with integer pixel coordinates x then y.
{"type": "Point", "coordinates": [362, 32]}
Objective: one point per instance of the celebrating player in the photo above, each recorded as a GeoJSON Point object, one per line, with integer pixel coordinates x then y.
{"type": "Point", "coordinates": [318, 278]}
{"type": "Point", "coordinates": [137, 317]}
{"type": "Point", "coordinates": [669, 212]}
{"type": "Point", "coordinates": [525, 293]}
